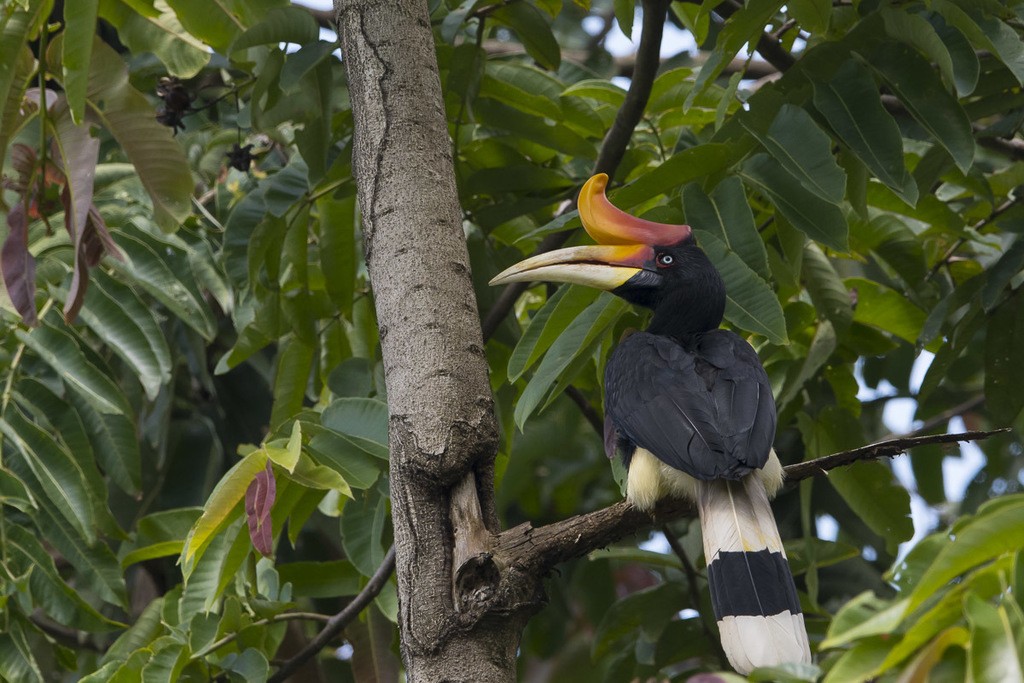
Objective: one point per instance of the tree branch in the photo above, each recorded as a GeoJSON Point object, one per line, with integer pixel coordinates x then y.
{"type": "Point", "coordinates": [882, 449]}
{"type": "Point", "coordinates": [612, 148]}
{"type": "Point", "coordinates": [541, 549]}
{"type": "Point", "coordinates": [768, 46]}
{"type": "Point", "coordinates": [339, 621]}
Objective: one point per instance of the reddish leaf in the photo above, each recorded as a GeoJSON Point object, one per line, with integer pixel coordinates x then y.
{"type": "Point", "coordinates": [259, 500]}
{"type": "Point", "coordinates": [94, 240]}
{"type": "Point", "coordinates": [18, 265]}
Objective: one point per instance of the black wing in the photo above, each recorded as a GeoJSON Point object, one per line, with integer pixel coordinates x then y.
{"type": "Point", "coordinates": [708, 412]}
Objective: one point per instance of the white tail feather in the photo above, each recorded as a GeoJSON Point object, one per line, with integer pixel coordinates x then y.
{"type": "Point", "coordinates": [758, 617]}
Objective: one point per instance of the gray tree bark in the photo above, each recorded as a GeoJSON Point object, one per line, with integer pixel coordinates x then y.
{"type": "Point", "coordinates": [442, 429]}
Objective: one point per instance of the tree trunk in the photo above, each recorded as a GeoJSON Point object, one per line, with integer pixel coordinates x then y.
{"type": "Point", "coordinates": [443, 436]}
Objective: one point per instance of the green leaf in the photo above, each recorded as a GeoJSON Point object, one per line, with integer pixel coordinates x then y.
{"type": "Point", "coordinates": [96, 564]}
{"type": "Point", "coordinates": [815, 217]}
{"type": "Point", "coordinates": [53, 467]}
{"type": "Point", "coordinates": [288, 24]}
{"type": "Point", "coordinates": [850, 102]}
{"type": "Point", "coordinates": [343, 454]}
{"type": "Point", "coordinates": [338, 259]}
{"type": "Point", "coordinates": [169, 659]}
{"type": "Point", "coordinates": [57, 415]}
{"type": "Point", "coordinates": [886, 309]}
{"type": "Point", "coordinates": [625, 12]}
{"type": "Point", "coordinates": [827, 291]}
{"type": "Point", "coordinates": [917, 31]}
{"type": "Point", "coordinates": [17, 662]}
{"type": "Point", "coordinates": [114, 443]}
{"type": "Point", "coordinates": [1004, 363]}
{"type": "Point", "coordinates": [127, 326]}
{"type": "Point", "coordinates": [13, 492]}
{"type": "Point", "coordinates": [682, 167]}
{"type": "Point", "coordinates": [128, 116]}
{"type": "Point", "coordinates": [153, 273]}
{"type": "Point", "coordinates": [365, 418]}
{"type": "Point", "coordinates": [648, 609]}
{"type": "Point", "coordinates": [744, 26]}
{"type": "Point", "coordinates": [966, 67]}
{"type": "Point", "coordinates": [750, 303]}
{"type": "Point", "coordinates": [596, 89]}
{"type": "Point", "coordinates": [215, 23]}
{"type": "Point", "coordinates": [362, 528]}
{"type": "Point", "coordinates": [321, 580]}
{"type": "Point", "coordinates": [60, 350]}
{"type": "Point", "coordinates": [248, 665]}
{"type": "Point", "coordinates": [533, 31]}
{"type": "Point", "coordinates": [812, 15]}
{"type": "Point", "coordinates": [863, 617]}
{"type": "Point", "coordinates": [825, 553]}
{"type": "Point", "coordinates": [894, 243]}
{"type": "Point", "coordinates": [372, 656]}
{"type": "Point", "coordinates": [79, 33]}
{"type": "Point", "coordinates": [912, 79]}
{"type": "Point", "coordinates": [222, 505]}
{"type": "Point", "coordinates": [979, 539]}
{"type": "Point", "coordinates": [145, 630]}
{"type": "Point", "coordinates": [524, 87]}
{"type": "Point", "coordinates": [319, 477]}
{"type": "Point", "coordinates": [801, 371]}
{"type": "Point", "coordinates": [16, 26]}
{"type": "Point", "coordinates": [575, 342]}
{"type": "Point", "coordinates": [803, 149]}
{"type": "Point", "coordinates": [59, 600]}
{"type": "Point", "coordinates": [207, 575]}
{"type": "Point", "coordinates": [869, 488]}
{"type": "Point", "coordinates": [547, 325]}
{"type": "Point", "coordinates": [15, 76]}
{"type": "Point", "coordinates": [160, 534]}
{"type": "Point", "coordinates": [159, 32]}
{"type": "Point", "coordinates": [726, 213]}
{"type": "Point", "coordinates": [294, 364]}
{"type": "Point", "coordinates": [992, 655]}
{"type": "Point", "coordinates": [535, 129]}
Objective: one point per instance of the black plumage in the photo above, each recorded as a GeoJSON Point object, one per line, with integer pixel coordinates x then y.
{"type": "Point", "coordinates": [695, 396]}
{"type": "Point", "coordinates": [690, 409]}
{"type": "Point", "coordinates": [706, 410]}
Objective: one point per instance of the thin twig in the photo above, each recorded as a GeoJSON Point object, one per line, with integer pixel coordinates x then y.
{"type": "Point", "coordinates": [882, 449]}
{"type": "Point", "coordinates": [277, 618]}
{"type": "Point", "coordinates": [769, 48]}
{"type": "Point", "coordinates": [589, 412]}
{"type": "Point", "coordinates": [996, 213]}
{"type": "Point", "coordinates": [691, 580]}
{"type": "Point", "coordinates": [67, 636]}
{"type": "Point", "coordinates": [339, 621]}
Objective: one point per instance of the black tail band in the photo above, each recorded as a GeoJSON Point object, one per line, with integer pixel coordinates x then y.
{"type": "Point", "coordinates": [751, 584]}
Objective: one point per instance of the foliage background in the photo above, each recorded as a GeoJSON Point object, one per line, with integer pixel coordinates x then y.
{"type": "Point", "coordinates": [859, 196]}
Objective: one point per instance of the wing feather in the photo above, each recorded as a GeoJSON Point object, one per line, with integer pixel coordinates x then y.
{"type": "Point", "coordinates": [707, 411]}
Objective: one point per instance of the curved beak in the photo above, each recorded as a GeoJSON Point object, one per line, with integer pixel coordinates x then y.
{"type": "Point", "coordinates": [624, 250]}
{"type": "Point", "coordinates": [603, 267]}
{"type": "Point", "coordinates": [608, 224]}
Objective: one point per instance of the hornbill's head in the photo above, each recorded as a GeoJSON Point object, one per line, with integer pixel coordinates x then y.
{"type": "Point", "coordinates": [655, 265]}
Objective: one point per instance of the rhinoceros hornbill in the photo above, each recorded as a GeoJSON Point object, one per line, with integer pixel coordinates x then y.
{"type": "Point", "coordinates": [690, 409]}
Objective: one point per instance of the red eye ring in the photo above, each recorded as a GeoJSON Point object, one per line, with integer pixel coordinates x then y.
{"type": "Point", "coordinates": [665, 260]}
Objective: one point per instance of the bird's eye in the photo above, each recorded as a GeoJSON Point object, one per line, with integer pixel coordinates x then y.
{"type": "Point", "coordinates": [665, 260]}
